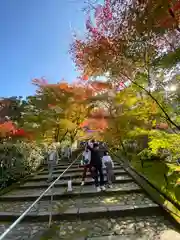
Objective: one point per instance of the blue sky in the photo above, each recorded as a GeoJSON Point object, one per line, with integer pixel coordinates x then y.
{"type": "Point", "coordinates": [34, 42]}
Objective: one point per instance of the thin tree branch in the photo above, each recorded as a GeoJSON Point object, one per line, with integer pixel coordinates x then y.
{"type": "Point", "coordinates": [156, 101]}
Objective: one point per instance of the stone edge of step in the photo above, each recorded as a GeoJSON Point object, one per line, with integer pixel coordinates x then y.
{"type": "Point", "coordinates": [73, 170]}
{"type": "Point", "coordinates": [72, 194]}
{"type": "Point", "coordinates": [119, 237]}
{"type": "Point", "coordinates": [127, 179]}
{"type": "Point", "coordinates": [87, 212]}
{"type": "Point", "coordinates": [67, 176]}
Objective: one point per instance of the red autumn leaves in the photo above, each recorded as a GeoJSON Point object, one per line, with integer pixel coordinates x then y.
{"type": "Point", "coordinates": [94, 124]}
{"type": "Point", "coordinates": [102, 16]}
{"type": "Point", "coordinates": [8, 129]}
{"type": "Point", "coordinates": [172, 18]}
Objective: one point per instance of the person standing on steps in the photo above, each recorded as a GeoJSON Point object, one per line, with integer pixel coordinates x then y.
{"type": "Point", "coordinates": [85, 164]}
{"type": "Point", "coordinates": [52, 161]}
{"type": "Point", "coordinates": [108, 165]}
{"type": "Point", "coordinates": [96, 167]}
{"type": "Point", "coordinates": [67, 152]}
{"type": "Point", "coordinates": [91, 143]}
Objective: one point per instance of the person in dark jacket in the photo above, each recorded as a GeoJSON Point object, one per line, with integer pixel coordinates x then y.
{"type": "Point", "coordinates": [96, 167]}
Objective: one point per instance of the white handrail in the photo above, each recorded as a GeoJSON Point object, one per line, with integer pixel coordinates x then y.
{"type": "Point", "coordinates": [34, 203]}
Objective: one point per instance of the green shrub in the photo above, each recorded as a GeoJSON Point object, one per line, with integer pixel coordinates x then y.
{"type": "Point", "coordinates": [18, 160]}
{"type": "Point", "coordinates": [148, 155]}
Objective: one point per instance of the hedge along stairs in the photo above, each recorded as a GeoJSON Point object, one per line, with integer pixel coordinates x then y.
{"type": "Point", "coordinates": [123, 212]}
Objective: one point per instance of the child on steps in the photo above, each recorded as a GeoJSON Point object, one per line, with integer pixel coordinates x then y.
{"type": "Point", "coordinates": [108, 165]}
{"type": "Point", "coordinates": [85, 163]}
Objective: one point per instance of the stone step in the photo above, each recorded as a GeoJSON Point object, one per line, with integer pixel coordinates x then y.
{"type": "Point", "coordinates": [24, 230]}
{"type": "Point", "coordinates": [45, 167]}
{"type": "Point", "coordinates": [121, 228]}
{"type": "Point", "coordinates": [75, 182]}
{"type": "Point", "coordinates": [75, 165]}
{"type": "Point", "coordinates": [164, 235]}
{"type": "Point", "coordinates": [61, 193]}
{"type": "Point", "coordinates": [63, 163]}
{"type": "Point", "coordinates": [110, 237]}
{"type": "Point", "coordinates": [125, 237]}
{"type": "Point", "coordinates": [84, 213]}
{"type": "Point", "coordinates": [72, 170]}
{"type": "Point", "coordinates": [72, 175]}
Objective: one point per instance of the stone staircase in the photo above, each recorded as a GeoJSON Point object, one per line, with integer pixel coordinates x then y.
{"type": "Point", "coordinates": [124, 212]}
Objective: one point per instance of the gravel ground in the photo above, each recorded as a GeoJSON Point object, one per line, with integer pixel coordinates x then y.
{"type": "Point", "coordinates": [151, 228]}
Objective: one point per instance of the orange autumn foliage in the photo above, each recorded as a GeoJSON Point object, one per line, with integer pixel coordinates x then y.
{"type": "Point", "coordinates": [7, 128]}
{"type": "Point", "coordinates": [63, 86]}
{"type": "Point", "coordinates": [85, 77]}
{"type": "Point", "coordinates": [78, 92]}
{"type": "Point", "coordinates": [94, 124]}
{"type": "Point", "coordinates": [162, 126]}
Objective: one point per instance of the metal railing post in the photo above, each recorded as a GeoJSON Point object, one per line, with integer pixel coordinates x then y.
{"type": "Point", "coordinates": [50, 206]}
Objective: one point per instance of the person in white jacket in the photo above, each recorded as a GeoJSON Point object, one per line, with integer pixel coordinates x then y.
{"type": "Point", "coordinates": [85, 163]}
{"type": "Point", "coordinates": [108, 165]}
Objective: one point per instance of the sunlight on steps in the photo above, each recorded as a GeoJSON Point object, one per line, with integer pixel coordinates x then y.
{"type": "Point", "coordinates": [110, 200]}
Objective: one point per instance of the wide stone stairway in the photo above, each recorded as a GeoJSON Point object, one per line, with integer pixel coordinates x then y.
{"type": "Point", "coordinates": [124, 212]}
